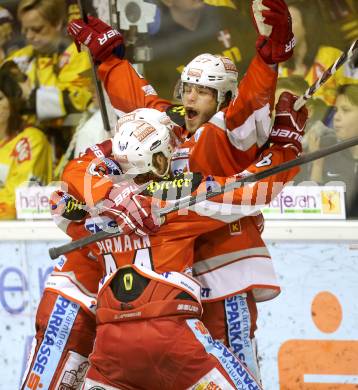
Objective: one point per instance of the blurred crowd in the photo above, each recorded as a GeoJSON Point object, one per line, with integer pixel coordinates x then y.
{"type": "Point", "coordinates": [48, 107]}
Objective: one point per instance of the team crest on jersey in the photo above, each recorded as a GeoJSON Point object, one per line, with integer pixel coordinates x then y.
{"type": "Point", "coordinates": [149, 90]}
{"type": "Point", "coordinates": [180, 161]}
{"type": "Point", "coordinates": [22, 151]}
{"type": "Point", "coordinates": [181, 153]}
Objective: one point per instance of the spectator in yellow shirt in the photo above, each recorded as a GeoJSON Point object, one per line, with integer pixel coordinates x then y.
{"type": "Point", "coordinates": [51, 62]}
{"type": "Point", "coordinates": [315, 52]}
{"type": "Point", "coordinates": [25, 153]}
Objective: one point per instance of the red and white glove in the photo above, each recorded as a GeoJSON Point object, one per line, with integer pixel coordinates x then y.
{"type": "Point", "coordinates": [273, 22]}
{"type": "Point", "coordinates": [100, 150]}
{"type": "Point", "coordinates": [134, 213]}
{"type": "Point", "coordinates": [289, 125]}
{"type": "Point", "coordinates": [101, 39]}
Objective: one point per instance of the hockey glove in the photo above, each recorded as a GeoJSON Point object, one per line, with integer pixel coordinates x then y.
{"type": "Point", "coordinates": [64, 205]}
{"type": "Point", "coordinates": [100, 150]}
{"type": "Point", "coordinates": [273, 22]}
{"type": "Point", "coordinates": [101, 39]}
{"type": "Point", "coordinates": [288, 128]}
{"type": "Point", "coordinates": [134, 213]}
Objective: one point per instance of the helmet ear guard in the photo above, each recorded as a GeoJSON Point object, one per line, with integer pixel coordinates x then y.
{"type": "Point", "coordinates": [212, 71]}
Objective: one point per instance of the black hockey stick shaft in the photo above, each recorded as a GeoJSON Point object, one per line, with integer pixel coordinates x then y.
{"type": "Point", "coordinates": [192, 200]}
{"type": "Point", "coordinates": [97, 82]}
{"type": "Point", "coordinates": [346, 56]}
{"type": "Point", "coordinates": [304, 159]}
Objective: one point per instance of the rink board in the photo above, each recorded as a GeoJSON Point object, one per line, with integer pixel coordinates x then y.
{"type": "Point", "coordinates": [287, 334]}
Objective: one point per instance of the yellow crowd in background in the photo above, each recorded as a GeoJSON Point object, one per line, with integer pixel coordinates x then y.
{"type": "Point", "coordinates": [48, 108]}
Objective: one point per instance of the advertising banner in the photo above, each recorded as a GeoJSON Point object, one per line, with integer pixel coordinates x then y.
{"type": "Point", "coordinates": [24, 267]}
{"type": "Point", "coordinates": [34, 202]}
{"type": "Point", "coordinates": [307, 336]}
{"type": "Point", "coordinates": [307, 202]}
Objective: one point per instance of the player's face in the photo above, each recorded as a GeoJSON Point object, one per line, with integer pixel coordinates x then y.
{"type": "Point", "coordinates": [200, 105]}
{"type": "Point", "coordinates": [345, 120]}
{"type": "Point", "coordinates": [39, 33]}
{"type": "Point", "coordinates": [4, 109]}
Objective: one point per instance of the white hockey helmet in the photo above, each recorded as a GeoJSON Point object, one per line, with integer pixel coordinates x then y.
{"type": "Point", "coordinates": [145, 114]}
{"type": "Point", "coordinates": [212, 71]}
{"type": "Point", "coordinates": [140, 135]}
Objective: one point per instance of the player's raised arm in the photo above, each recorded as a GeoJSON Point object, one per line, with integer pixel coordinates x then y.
{"type": "Point", "coordinates": [248, 117]}
{"type": "Point", "coordinates": [126, 88]}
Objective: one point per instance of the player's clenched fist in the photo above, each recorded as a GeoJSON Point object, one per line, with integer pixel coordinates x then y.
{"type": "Point", "coordinates": [273, 22]}
{"type": "Point", "coordinates": [289, 125]}
{"type": "Point", "coordinates": [101, 39]}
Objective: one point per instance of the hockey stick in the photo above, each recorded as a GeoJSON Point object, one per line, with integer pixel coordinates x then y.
{"type": "Point", "coordinates": [192, 200]}
{"type": "Point", "coordinates": [97, 83]}
{"type": "Point", "coordinates": [346, 56]}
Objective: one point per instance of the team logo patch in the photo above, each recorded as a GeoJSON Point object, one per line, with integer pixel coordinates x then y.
{"type": "Point", "coordinates": [73, 372]}
{"type": "Point", "coordinates": [228, 64]}
{"type": "Point", "coordinates": [235, 228]}
{"type": "Point", "coordinates": [195, 72]}
{"type": "Point", "coordinates": [61, 262]}
{"type": "Point", "coordinates": [94, 385]}
{"type": "Point", "coordinates": [124, 119]}
{"type": "Point", "coordinates": [98, 224]}
{"type": "Point", "coordinates": [149, 90]}
{"type": "Point", "coordinates": [143, 131]}
{"type": "Point", "coordinates": [22, 151]}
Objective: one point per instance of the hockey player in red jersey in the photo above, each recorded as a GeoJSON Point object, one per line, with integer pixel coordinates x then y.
{"type": "Point", "coordinates": [65, 319]}
{"type": "Point", "coordinates": [229, 136]}
{"type": "Point", "coordinates": [125, 305]}
{"type": "Point", "coordinates": [65, 326]}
